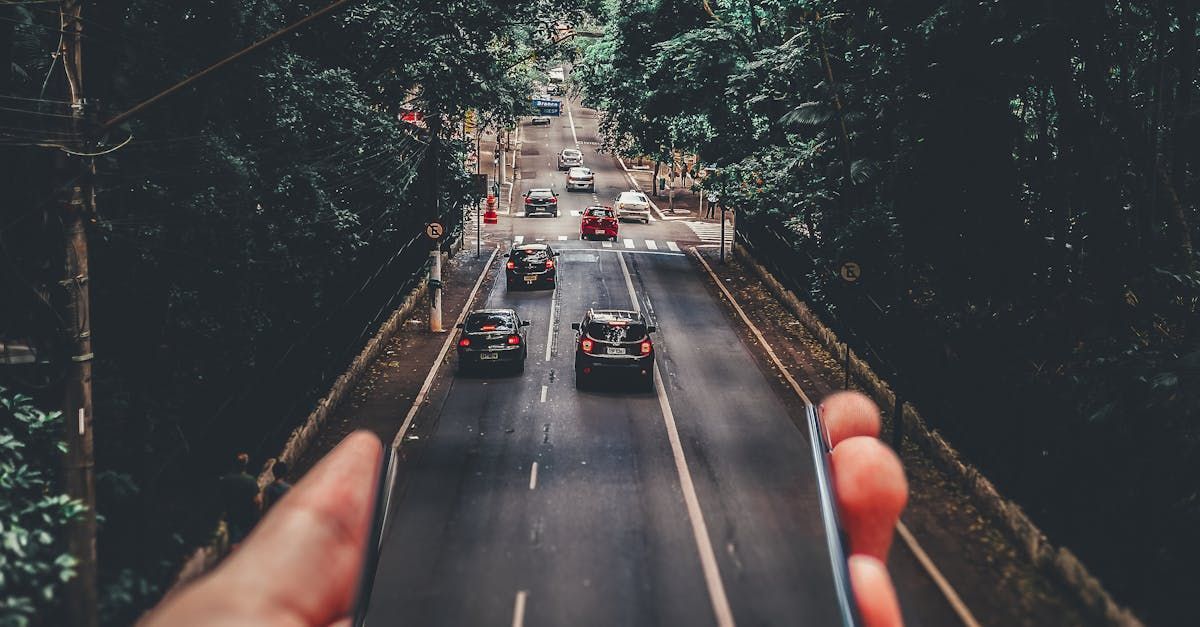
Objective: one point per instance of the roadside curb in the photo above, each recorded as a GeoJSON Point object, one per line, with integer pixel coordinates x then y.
{"type": "Point", "coordinates": [1058, 562]}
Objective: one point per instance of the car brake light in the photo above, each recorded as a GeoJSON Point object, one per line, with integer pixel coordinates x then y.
{"type": "Point", "coordinates": [465, 342]}
{"type": "Point", "coordinates": [554, 201]}
{"type": "Point", "coordinates": [617, 323]}
{"type": "Point", "coordinates": [549, 263]}
{"type": "Point", "coordinates": [586, 345]}
{"type": "Point", "coordinates": [645, 347]}
{"type": "Point", "coordinates": [488, 327]}
{"type": "Point", "coordinates": [513, 340]}
{"type": "Point", "coordinates": [510, 265]}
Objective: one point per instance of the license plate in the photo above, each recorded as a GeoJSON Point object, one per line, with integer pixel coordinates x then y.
{"type": "Point", "coordinates": [609, 350]}
{"type": "Point", "coordinates": [486, 356]}
{"type": "Point", "coordinates": [531, 278]}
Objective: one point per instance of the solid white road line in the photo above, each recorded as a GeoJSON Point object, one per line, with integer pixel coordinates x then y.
{"type": "Point", "coordinates": [533, 476]}
{"type": "Point", "coordinates": [519, 609]}
{"type": "Point", "coordinates": [425, 387]}
{"type": "Point", "coordinates": [673, 246]}
{"type": "Point", "coordinates": [628, 243]}
{"type": "Point", "coordinates": [562, 238]}
{"type": "Point", "coordinates": [964, 614]}
{"type": "Point", "coordinates": [708, 557]}
{"type": "Point", "coordinates": [571, 119]}
{"type": "Point", "coordinates": [550, 327]}
{"type": "Point", "coordinates": [544, 389]}
{"type": "Point", "coordinates": [518, 238]}
{"type": "Point", "coordinates": [651, 244]}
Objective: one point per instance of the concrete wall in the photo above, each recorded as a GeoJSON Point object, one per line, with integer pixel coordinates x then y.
{"type": "Point", "coordinates": [1057, 562]}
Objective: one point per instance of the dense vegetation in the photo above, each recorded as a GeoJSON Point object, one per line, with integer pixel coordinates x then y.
{"type": "Point", "coordinates": [1018, 181]}
{"type": "Point", "coordinates": [245, 239]}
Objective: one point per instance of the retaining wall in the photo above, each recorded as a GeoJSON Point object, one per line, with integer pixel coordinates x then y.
{"type": "Point", "coordinates": [1058, 562]}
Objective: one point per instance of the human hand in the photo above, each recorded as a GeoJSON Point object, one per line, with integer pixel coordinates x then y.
{"type": "Point", "coordinates": [871, 491]}
{"type": "Point", "coordinates": [300, 566]}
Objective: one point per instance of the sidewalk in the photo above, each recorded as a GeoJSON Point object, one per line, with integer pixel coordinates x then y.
{"type": "Point", "coordinates": [684, 204]}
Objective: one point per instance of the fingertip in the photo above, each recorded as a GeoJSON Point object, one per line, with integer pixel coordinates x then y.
{"type": "Point", "coordinates": [871, 491]}
{"type": "Point", "coordinates": [849, 414]}
{"type": "Point", "coordinates": [874, 592]}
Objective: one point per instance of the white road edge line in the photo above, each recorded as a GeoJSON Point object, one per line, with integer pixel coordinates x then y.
{"type": "Point", "coordinates": [519, 609]}
{"type": "Point", "coordinates": [544, 390]}
{"type": "Point", "coordinates": [960, 608]}
{"type": "Point", "coordinates": [533, 476]}
{"type": "Point", "coordinates": [425, 387]}
{"type": "Point", "coordinates": [708, 558]}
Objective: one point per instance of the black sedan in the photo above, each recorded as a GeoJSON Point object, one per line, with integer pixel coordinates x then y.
{"type": "Point", "coordinates": [614, 341]}
{"type": "Point", "coordinates": [492, 337]}
{"type": "Point", "coordinates": [531, 265]}
{"type": "Point", "coordinates": [541, 200]}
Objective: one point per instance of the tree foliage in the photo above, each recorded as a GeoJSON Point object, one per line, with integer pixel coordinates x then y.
{"type": "Point", "coordinates": [1018, 182]}
{"type": "Point", "coordinates": [251, 231]}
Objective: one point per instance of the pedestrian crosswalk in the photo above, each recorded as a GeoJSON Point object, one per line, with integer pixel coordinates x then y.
{"type": "Point", "coordinates": [624, 243]}
{"type": "Point", "coordinates": [709, 232]}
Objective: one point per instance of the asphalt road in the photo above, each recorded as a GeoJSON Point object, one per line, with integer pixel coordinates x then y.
{"type": "Point", "coordinates": [692, 505]}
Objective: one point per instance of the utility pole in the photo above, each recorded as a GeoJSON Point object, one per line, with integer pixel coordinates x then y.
{"type": "Point", "coordinates": [76, 203]}
{"type": "Point", "coordinates": [433, 188]}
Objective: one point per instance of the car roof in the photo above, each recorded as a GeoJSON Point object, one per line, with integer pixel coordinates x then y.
{"type": "Point", "coordinates": [607, 315]}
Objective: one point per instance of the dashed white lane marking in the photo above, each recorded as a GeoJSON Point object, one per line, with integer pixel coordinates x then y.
{"type": "Point", "coordinates": [651, 244]}
{"type": "Point", "coordinates": [519, 609]}
{"type": "Point", "coordinates": [606, 244]}
{"type": "Point", "coordinates": [708, 557]}
{"type": "Point", "coordinates": [571, 119]}
{"type": "Point", "coordinates": [562, 238]}
{"type": "Point", "coordinates": [518, 238]}
{"type": "Point", "coordinates": [628, 243]}
{"type": "Point", "coordinates": [544, 389]}
{"type": "Point", "coordinates": [533, 476]}
{"type": "Point", "coordinates": [673, 246]}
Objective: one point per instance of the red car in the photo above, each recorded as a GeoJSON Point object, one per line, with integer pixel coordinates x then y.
{"type": "Point", "coordinates": [598, 222]}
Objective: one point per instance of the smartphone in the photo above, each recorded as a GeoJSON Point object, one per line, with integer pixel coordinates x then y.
{"type": "Point", "coordinates": [385, 482]}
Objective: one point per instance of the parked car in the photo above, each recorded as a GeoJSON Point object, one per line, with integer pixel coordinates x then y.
{"type": "Point", "coordinates": [569, 158]}
{"type": "Point", "coordinates": [633, 205]}
{"type": "Point", "coordinates": [598, 221]}
{"type": "Point", "coordinates": [581, 178]}
{"type": "Point", "coordinates": [541, 200]}
{"type": "Point", "coordinates": [540, 120]}
{"type": "Point", "coordinates": [614, 341]}
{"type": "Point", "coordinates": [492, 337]}
{"type": "Point", "coordinates": [531, 265]}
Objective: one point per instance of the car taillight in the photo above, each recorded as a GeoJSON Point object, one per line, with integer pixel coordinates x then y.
{"type": "Point", "coordinates": [645, 347]}
{"type": "Point", "coordinates": [586, 345]}
{"type": "Point", "coordinates": [513, 340]}
{"type": "Point", "coordinates": [554, 201]}
{"type": "Point", "coordinates": [510, 265]}
{"type": "Point", "coordinates": [549, 263]}
{"type": "Point", "coordinates": [465, 342]}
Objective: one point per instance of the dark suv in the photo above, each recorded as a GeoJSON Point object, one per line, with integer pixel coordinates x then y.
{"type": "Point", "coordinates": [492, 336]}
{"type": "Point", "coordinates": [531, 265]}
{"type": "Point", "coordinates": [541, 200]}
{"type": "Point", "coordinates": [614, 341]}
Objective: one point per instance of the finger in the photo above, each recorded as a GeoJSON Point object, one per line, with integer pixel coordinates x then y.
{"type": "Point", "coordinates": [849, 414]}
{"type": "Point", "coordinates": [871, 492]}
{"type": "Point", "coordinates": [874, 593]}
{"type": "Point", "coordinates": [301, 564]}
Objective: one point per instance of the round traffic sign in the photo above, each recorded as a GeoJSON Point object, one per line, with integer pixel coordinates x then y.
{"type": "Point", "coordinates": [435, 230]}
{"type": "Point", "coordinates": [850, 272]}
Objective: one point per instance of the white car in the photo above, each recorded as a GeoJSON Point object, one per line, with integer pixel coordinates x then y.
{"type": "Point", "coordinates": [569, 158]}
{"type": "Point", "coordinates": [540, 120]}
{"type": "Point", "coordinates": [633, 205]}
{"type": "Point", "coordinates": [581, 178]}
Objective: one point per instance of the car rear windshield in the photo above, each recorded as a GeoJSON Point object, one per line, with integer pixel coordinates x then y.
{"type": "Point", "coordinates": [634, 198]}
{"type": "Point", "coordinates": [482, 322]}
{"type": "Point", "coordinates": [599, 212]}
{"type": "Point", "coordinates": [624, 331]}
{"type": "Point", "coordinates": [529, 254]}
{"type": "Point", "coordinates": [541, 193]}
{"type": "Point", "coordinates": [572, 153]}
